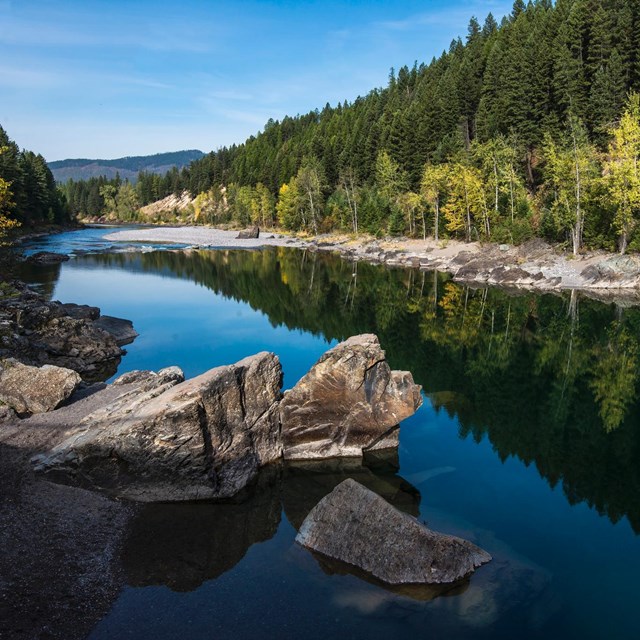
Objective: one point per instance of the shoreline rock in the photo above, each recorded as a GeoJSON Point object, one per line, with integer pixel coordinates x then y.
{"type": "Point", "coordinates": [356, 526]}
{"type": "Point", "coordinates": [349, 402]}
{"type": "Point", "coordinates": [170, 440]}
{"type": "Point", "coordinates": [206, 438]}
{"type": "Point", "coordinates": [249, 234]}
{"type": "Point", "coordinates": [29, 390]}
{"type": "Point", "coordinates": [535, 265]}
{"type": "Point", "coordinates": [37, 332]}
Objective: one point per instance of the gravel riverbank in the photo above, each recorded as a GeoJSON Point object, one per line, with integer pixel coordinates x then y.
{"type": "Point", "coordinates": [533, 265]}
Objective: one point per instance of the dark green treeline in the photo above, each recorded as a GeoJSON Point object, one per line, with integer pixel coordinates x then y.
{"type": "Point", "coordinates": [28, 192]}
{"type": "Point", "coordinates": [525, 76]}
{"type": "Point", "coordinates": [552, 380]}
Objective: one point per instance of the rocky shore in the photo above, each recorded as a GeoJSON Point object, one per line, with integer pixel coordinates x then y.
{"type": "Point", "coordinates": [152, 436]}
{"type": "Point", "coordinates": [534, 265]}
{"type": "Point", "coordinates": [38, 332]}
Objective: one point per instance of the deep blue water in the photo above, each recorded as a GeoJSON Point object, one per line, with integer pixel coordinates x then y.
{"type": "Point", "coordinates": [513, 448]}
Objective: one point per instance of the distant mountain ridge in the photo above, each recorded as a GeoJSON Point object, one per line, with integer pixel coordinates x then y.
{"type": "Point", "coordinates": [128, 167]}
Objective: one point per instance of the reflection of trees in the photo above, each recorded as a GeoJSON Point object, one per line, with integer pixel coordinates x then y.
{"type": "Point", "coordinates": [614, 376]}
{"type": "Point", "coordinates": [539, 375]}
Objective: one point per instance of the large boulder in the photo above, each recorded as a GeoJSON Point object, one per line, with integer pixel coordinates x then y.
{"type": "Point", "coordinates": [35, 389]}
{"type": "Point", "coordinates": [358, 527]}
{"type": "Point", "coordinates": [249, 234]}
{"type": "Point", "coordinates": [200, 439]}
{"type": "Point", "coordinates": [348, 403]}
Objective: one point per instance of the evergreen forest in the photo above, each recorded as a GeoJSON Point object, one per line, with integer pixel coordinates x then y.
{"type": "Point", "coordinates": [527, 127]}
{"type": "Point", "coordinates": [28, 193]}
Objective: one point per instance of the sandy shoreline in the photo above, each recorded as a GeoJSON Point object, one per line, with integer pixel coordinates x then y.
{"type": "Point", "coordinates": [204, 237]}
{"type": "Point", "coordinates": [534, 265]}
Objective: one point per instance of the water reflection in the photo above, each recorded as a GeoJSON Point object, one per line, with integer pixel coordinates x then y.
{"type": "Point", "coordinates": [552, 379]}
{"type": "Point", "coordinates": [183, 545]}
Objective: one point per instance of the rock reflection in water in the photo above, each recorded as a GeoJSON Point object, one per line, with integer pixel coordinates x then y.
{"type": "Point", "coordinates": [421, 592]}
{"type": "Point", "coordinates": [183, 545]}
{"type": "Point", "coordinates": [305, 483]}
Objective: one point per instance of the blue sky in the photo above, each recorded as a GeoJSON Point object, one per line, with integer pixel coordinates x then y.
{"type": "Point", "coordinates": [105, 79]}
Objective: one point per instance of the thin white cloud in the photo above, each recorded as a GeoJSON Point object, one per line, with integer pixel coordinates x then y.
{"type": "Point", "coordinates": [16, 77]}
{"type": "Point", "coordinates": [74, 32]}
{"type": "Point", "coordinates": [446, 17]}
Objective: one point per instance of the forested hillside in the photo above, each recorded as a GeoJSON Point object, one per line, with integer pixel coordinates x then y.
{"type": "Point", "coordinates": [515, 131]}
{"type": "Point", "coordinates": [28, 193]}
{"type": "Point", "coordinates": [126, 168]}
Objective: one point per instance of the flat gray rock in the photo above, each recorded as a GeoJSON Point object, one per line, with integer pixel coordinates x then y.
{"type": "Point", "coordinates": [358, 527]}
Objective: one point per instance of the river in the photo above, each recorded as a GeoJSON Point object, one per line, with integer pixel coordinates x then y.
{"type": "Point", "coordinates": [528, 443]}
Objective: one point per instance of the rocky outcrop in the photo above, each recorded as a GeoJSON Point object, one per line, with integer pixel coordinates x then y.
{"type": "Point", "coordinates": [616, 271]}
{"type": "Point", "coordinates": [249, 234]}
{"type": "Point", "coordinates": [30, 390]}
{"type": "Point", "coordinates": [348, 403]}
{"type": "Point", "coordinates": [47, 257]}
{"type": "Point", "coordinates": [37, 332]}
{"type": "Point", "coordinates": [122, 330]}
{"type": "Point", "coordinates": [358, 527]}
{"type": "Point", "coordinates": [199, 439]}
{"type": "Point", "coordinates": [166, 439]}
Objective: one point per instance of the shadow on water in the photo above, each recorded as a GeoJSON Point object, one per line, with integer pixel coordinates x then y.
{"type": "Point", "coordinates": [183, 545]}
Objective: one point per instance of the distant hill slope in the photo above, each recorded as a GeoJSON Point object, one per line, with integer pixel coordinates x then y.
{"type": "Point", "coordinates": [129, 167]}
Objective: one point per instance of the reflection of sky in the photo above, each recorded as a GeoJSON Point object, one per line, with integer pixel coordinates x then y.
{"type": "Point", "coordinates": [181, 323]}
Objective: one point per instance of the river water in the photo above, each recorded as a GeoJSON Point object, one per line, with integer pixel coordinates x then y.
{"type": "Point", "coordinates": [528, 443]}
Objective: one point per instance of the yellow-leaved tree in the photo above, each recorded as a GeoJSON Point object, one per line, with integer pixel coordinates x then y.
{"type": "Point", "coordinates": [466, 202]}
{"type": "Point", "coordinates": [623, 173]}
{"type": "Point", "coordinates": [433, 188]}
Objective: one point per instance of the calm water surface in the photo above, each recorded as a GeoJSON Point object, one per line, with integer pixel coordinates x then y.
{"type": "Point", "coordinates": [527, 443]}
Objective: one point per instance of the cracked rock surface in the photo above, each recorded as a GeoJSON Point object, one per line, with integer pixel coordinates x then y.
{"type": "Point", "coordinates": [166, 439]}
{"type": "Point", "coordinates": [170, 440]}
{"type": "Point", "coordinates": [349, 402]}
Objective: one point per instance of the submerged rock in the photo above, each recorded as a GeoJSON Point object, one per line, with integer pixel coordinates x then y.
{"type": "Point", "coordinates": [35, 389]}
{"type": "Point", "coordinates": [200, 439]}
{"type": "Point", "coordinates": [348, 403]}
{"type": "Point", "coordinates": [358, 527]}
